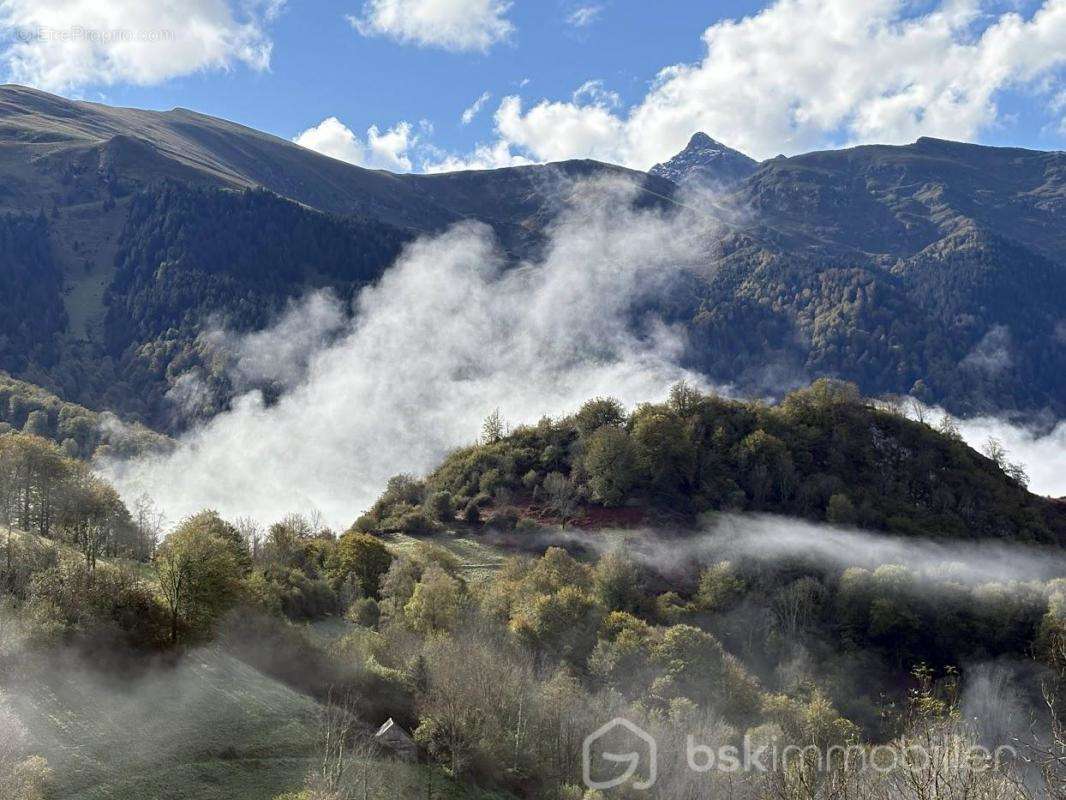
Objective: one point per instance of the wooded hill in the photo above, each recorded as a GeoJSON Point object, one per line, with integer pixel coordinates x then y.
{"type": "Point", "coordinates": [823, 453]}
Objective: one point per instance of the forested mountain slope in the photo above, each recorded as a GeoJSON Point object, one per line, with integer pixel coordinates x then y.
{"type": "Point", "coordinates": [79, 431]}
{"type": "Point", "coordinates": [936, 268]}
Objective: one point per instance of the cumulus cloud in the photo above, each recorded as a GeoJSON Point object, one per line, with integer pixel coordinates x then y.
{"type": "Point", "coordinates": [458, 25]}
{"type": "Point", "coordinates": [805, 74]}
{"type": "Point", "coordinates": [59, 45]}
{"type": "Point", "coordinates": [595, 93]}
{"type": "Point", "coordinates": [484, 156]}
{"type": "Point", "coordinates": [379, 150]}
{"type": "Point", "coordinates": [475, 108]}
{"type": "Point", "coordinates": [554, 131]}
{"type": "Point", "coordinates": [444, 338]}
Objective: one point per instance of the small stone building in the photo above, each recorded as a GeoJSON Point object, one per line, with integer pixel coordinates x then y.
{"type": "Point", "coordinates": [391, 736]}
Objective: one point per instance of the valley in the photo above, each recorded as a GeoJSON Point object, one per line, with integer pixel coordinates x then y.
{"type": "Point", "coordinates": [292, 448]}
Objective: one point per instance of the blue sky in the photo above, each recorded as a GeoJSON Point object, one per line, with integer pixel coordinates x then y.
{"type": "Point", "coordinates": [322, 67]}
{"type": "Point", "coordinates": [787, 76]}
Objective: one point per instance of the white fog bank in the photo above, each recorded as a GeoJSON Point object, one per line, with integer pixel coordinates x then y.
{"type": "Point", "coordinates": [444, 338]}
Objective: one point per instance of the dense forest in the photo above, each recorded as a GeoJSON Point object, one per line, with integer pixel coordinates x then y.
{"type": "Point", "coordinates": [597, 604]}
{"type": "Point", "coordinates": [189, 259]}
{"type": "Point", "coordinates": [188, 254]}
{"type": "Point", "coordinates": [951, 324]}
{"type": "Point", "coordinates": [80, 433]}
{"type": "Point", "coordinates": [31, 286]}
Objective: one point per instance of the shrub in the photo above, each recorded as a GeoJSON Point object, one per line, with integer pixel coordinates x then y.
{"type": "Point", "coordinates": [504, 518]}
{"type": "Point", "coordinates": [365, 612]}
{"type": "Point", "coordinates": [472, 514]}
{"type": "Point", "coordinates": [416, 522]}
{"type": "Point", "coordinates": [441, 506]}
{"type": "Point", "coordinates": [528, 525]}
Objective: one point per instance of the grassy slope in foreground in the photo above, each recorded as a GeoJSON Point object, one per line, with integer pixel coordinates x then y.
{"type": "Point", "coordinates": [208, 727]}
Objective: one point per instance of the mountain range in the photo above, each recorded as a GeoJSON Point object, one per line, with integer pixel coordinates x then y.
{"type": "Point", "coordinates": [936, 268]}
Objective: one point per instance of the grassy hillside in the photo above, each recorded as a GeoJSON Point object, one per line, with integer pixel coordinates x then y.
{"type": "Point", "coordinates": [208, 727]}
{"type": "Point", "coordinates": [478, 558]}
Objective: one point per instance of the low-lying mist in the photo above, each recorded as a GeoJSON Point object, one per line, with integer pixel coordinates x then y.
{"type": "Point", "coordinates": [775, 541]}
{"type": "Point", "coordinates": [449, 334]}
{"type": "Point", "coordinates": [446, 336]}
{"type": "Point", "coordinates": [1043, 454]}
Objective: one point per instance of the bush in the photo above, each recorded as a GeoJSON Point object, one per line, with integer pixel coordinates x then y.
{"type": "Point", "coordinates": [365, 612]}
{"type": "Point", "coordinates": [472, 514]}
{"type": "Point", "coordinates": [442, 506]}
{"type": "Point", "coordinates": [504, 518]}
{"type": "Point", "coordinates": [417, 522]}
{"type": "Point", "coordinates": [528, 525]}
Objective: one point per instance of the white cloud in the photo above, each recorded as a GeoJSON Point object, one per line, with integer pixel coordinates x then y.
{"type": "Point", "coordinates": [381, 149]}
{"type": "Point", "coordinates": [475, 108]}
{"type": "Point", "coordinates": [553, 131]}
{"type": "Point", "coordinates": [446, 336]}
{"type": "Point", "coordinates": [1041, 450]}
{"type": "Point", "coordinates": [60, 45]}
{"type": "Point", "coordinates": [1041, 453]}
{"type": "Point", "coordinates": [594, 93]}
{"type": "Point", "coordinates": [991, 355]}
{"type": "Point", "coordinates": [805, 74]}
{"type": "Point", "coordinates": [484, 156]}
{"type": "Point", "coordinates": [584, 16]}
{"type": "Point", "coordinates": [459, 25]}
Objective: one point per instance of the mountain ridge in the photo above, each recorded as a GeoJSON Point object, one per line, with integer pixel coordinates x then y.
{"type": "Point", "coordinates": [893, 266]}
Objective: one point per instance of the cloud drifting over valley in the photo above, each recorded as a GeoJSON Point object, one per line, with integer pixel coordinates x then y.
{"type": "Point", "coordinates": [444, 338]}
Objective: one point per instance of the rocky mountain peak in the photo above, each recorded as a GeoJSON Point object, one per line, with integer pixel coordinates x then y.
{"type": "Point", "coordinates": [706, 162]}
